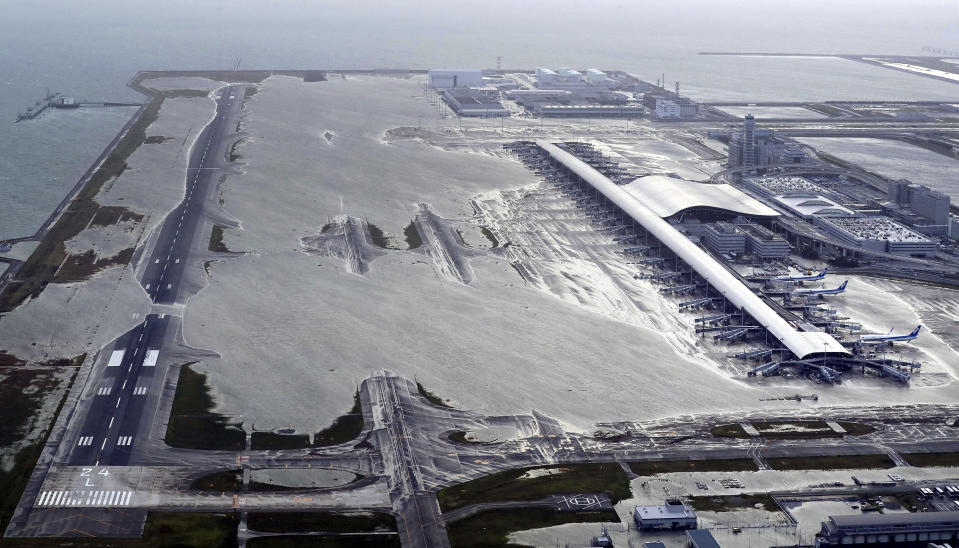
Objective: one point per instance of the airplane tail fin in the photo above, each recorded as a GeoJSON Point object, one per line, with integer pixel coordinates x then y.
{"type": "Point", "coordinates": [843, 286]}
{"type": "Point", "coordinates": [915, 331]}
{"type": "Point", "coordinates": [824, 270]}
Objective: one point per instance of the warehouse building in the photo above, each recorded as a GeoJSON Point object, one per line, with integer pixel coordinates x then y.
{"type": "Point", "coordinates": [591, 111]}
{"type": "Point", "coordinates": [535, 95]}
{"type": "Point", "coordinates": [473, 102]}
{"type": "Point", "coordinates": [455, 78]}
{"type": "Point", "coordinates": [672, 515]}
{"type": "Point", "coordinates": [701, 538]}
{"type": "Point", "coordinates": [905, 529]}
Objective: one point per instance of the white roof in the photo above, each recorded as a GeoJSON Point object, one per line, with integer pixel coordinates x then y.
{"type": "Point", "coordinates": [667, 196]}
{"type": "Point", "coordinates": [668, 511]}
{"type": "Point", "coordinates": [806, 204]}
{"type": "Point", "coordinates": [801, 343]}
{"type": "Point", "coordinates": [877, 228]}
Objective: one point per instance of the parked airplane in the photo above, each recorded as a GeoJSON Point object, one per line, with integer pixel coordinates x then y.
{"type": "Point", "coordinates": [821, 290]}
{"type": "Point", "coordinates": [803, 278]}
{"type": "Point", "coordinates": [889, 337]}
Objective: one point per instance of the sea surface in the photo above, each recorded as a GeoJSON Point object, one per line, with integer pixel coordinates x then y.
{"type": "Point", "coordinates": [89, 49]}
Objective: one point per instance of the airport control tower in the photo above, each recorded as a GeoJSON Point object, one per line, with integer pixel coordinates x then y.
{"type": "Point", "coordinates": [749, 141]}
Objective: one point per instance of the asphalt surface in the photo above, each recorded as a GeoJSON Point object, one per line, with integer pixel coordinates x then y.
{"type": "Point", "coordinates": [164, 271]}
{"type": "Point", "coordinates": [125, 384]}
{"type": "Point", "coordinates": [113, 417]}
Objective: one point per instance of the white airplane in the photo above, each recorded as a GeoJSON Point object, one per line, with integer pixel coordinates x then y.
{"type": "Point", "coordinates": [803, 278]}
{"type": "Point", "coordinates": [822, 290]}
{"type": "Point", "coordinates": [889, 337]}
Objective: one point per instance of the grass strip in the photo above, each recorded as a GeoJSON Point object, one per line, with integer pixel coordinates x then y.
{"type": "Point", "coordinates": [768, 429]}
{"type": "Point", "coordinates": [492, 528]}
{"type": "Point", "coordinates": [733, 502]}
{"type": "Point", "coordinates": [413, 239]}
{"type": "Point", "coordinates": [932, 459]}
{"type": "Point", "coordinates": [193, 424]}
{"type": "Point", "coordinates": [271, 440]}
{"type": "Point", "coordinates": [334, 522]}
{"type": "Point", "coordinates": [162, 530]}
{"type": "Point", "coordinates": [345, 428]}
{"type": "Point", "coordinates": [226, 480]}
{"type": "Point", "coordinates": [19, 409]}
{"type": "Point", "coordinates": [378, 237]}
{"type": "Point", "coordinates": [431, 397]}
{"type": "Point", "coordinates": [216, 240]}
{"type": "Point", "coordinates": [607, 478]}
{"type": "Point", "coordinates": [316, 541]}
{"type": "Point", "coordinates": [489, 236]}
{"type": "Point", "coordinates": [649, 468]}
{"type": "Point", "coordinates": [831, 462]}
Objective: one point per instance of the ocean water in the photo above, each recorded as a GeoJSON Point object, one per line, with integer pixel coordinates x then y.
{"type": "Point", "coordinates": [90, 49]}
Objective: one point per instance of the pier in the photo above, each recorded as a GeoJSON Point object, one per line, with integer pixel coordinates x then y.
{"type": "Point", "coordinates": [59, 100]}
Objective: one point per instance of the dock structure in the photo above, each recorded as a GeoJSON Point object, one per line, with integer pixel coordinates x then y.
{"type": "Point", "coordinates": [803, 344]}
{"type": "Point", "coordinates": [59, 100]}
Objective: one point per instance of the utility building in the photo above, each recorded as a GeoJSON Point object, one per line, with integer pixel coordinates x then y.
{"type": "Point", "coordinates": [672, 515]}
{"type": "Point", "coordinates": [666, 108]}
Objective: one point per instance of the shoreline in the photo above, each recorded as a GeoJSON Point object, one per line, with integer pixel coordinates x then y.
{"type": "Point", "coordinates": [152, 97]}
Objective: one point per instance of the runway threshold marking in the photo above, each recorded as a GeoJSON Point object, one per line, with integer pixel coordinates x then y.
{"type": "Point", "coordinates": [84, 498]}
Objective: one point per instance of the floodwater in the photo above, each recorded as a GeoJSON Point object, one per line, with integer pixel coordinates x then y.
{"type": "Point", "coordinates": [558, 312]}
{"type": "Point", "coordinates": [302, 478]}
{"type": "Point", "coordinates": [309, 330]}
{"type": "Point", "coordinates": [894, 159]}
{"type": "Point", "coordinates": [773, 112]}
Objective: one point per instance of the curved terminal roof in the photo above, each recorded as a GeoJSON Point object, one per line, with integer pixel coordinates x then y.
{"type": "Point", "coordinates": [667, 196]}
{"type": "Point", "coordinates": [801, 343]}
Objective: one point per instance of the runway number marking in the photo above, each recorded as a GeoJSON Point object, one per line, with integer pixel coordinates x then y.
{"type": "Point", "coordinates": [88, 474]}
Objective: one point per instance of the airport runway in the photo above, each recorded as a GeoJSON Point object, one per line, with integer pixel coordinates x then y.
{"type": "Point", "coordinates": [120, 406]}
{"type": "Point", "coordinates": [164, 271]}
